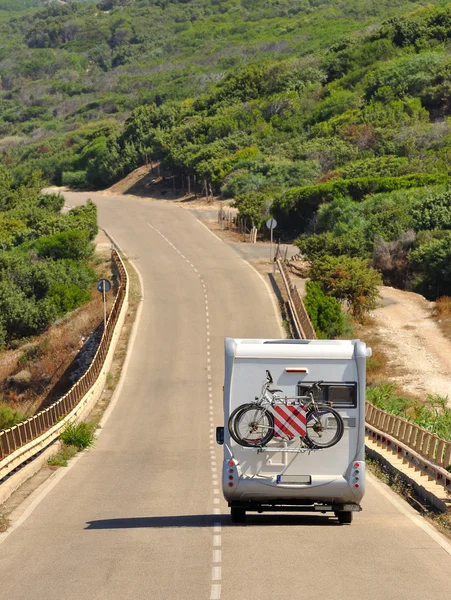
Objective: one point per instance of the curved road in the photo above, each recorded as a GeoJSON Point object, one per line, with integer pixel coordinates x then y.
{"type": "Point", "coordinates": [139, 516]}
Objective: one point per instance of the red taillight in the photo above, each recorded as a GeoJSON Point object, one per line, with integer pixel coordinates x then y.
{"type": "Point", "coordinates": [231, 463]}
{"type": "Point", "coordinates": [231, 477]}
{"type": "Point", "coordinates": [356, 465]}
{"type": "Point", "coordinates": [356, 485]}
{"type": "Point", "coordinates": [231, 484]}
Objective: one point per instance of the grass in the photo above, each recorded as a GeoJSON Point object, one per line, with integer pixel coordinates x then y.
{"type": "Point", "coordinates": [75, 437]}
{"type": "Point", "coordinates": [442, 314]}
{"type": "Point", "coordinates": [81, 435]}
{"type": "Point", "coordinates": [61, 458]}
{"type": "Point", "coordinates": [432, 413]}
{"type": "Point", "coordinates": [4, 522]}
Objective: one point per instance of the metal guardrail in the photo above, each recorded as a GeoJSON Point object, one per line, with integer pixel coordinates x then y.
{"type": "Point", "coordinates": [416, 446]}
{"type": "Point", "coordinates": [301, 320]}
{"type": "Point", "coordinates": [33, 428]}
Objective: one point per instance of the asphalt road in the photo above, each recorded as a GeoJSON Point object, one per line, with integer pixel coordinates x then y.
{"type": "Point", "coordinates": [139, 516]}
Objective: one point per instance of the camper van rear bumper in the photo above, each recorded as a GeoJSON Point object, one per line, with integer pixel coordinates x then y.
{"type": "Point", "coordinates": [337, 490]}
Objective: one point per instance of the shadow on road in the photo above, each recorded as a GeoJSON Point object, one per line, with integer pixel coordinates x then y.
{"type": "Point", "coordinates": [279, 520]}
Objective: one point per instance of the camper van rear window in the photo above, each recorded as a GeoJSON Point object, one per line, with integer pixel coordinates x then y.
{"type": "Point", "coordinates": [342, 395]}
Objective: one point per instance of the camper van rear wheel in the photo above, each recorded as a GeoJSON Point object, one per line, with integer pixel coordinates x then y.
{"type": "Point", "coordinates": [344, 517]}
{"type": "Point", "coordinates": [251, 425]}
{"type": "Point", "coordinates": [325, 426]}
{"type": "Point", "coordinates": [238, 515]}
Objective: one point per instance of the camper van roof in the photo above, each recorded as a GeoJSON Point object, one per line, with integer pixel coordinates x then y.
{"type": "Point", "coordinates": [327, 349]}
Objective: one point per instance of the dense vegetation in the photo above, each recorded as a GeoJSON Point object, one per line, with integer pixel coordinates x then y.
{"type": "Point", "coordinates": [345, 137]}
{"type": "Point", "coordinates": [44, 270]}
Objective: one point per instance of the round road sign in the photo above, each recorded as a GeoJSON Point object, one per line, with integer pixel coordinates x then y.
{"type": "Point", "coordinates": [271, 223]}
{"type": "Point", "coordinates": [104, 285]}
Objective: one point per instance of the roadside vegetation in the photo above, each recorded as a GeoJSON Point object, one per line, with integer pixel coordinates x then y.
{"type": "Point", "coordinates": [75, 438]}
{"type": "Point", "coordinates": [44, 263]}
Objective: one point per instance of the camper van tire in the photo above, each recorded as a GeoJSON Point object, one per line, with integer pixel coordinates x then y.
{"type": "Point", "coordinates": [344, 517]}
{"type": "Point", "coordinates": [238, 515]}
{"type": "Point", "coordinates": [260, 423]}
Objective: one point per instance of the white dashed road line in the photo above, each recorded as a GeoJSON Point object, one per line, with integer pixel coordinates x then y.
{"type": "Point", "coordinates": [216, 572]}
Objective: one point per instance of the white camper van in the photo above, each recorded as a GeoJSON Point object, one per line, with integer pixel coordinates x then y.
{"type": "Point", "coordinates": [288, 473]}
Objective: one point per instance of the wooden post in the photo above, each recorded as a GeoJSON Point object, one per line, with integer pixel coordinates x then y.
{"type": "Point", "coordinates": [189, 185]}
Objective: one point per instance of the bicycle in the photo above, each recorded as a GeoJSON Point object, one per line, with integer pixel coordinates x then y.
{"type": "Point", "coordinates": [252, 425]}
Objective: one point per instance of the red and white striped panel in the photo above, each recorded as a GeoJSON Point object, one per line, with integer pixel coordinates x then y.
{"type": "Point", "coordinates": [289, 421]}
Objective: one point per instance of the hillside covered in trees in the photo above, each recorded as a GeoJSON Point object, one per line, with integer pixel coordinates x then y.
{"type": "Point", "coordinates": [333, 116]}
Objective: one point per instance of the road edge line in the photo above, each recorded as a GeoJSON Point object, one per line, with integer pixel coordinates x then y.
{"type": "Point", "coordinates": [405, 509]}
{"type": "Point", "coordinates": [268, 289]}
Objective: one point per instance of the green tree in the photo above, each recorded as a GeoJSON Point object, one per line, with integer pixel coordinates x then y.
{"type": "Point", "coordinates": [348, 279]}
{"type": "Point", "coordinates": [324, 311]}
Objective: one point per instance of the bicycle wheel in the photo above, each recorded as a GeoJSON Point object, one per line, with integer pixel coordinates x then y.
{"type": "Point", "coordinates": [231, 422]}
{"type": "Point", "coordinates": [252, 426]}
{"type": "Point", "coordinates": [325, 426]}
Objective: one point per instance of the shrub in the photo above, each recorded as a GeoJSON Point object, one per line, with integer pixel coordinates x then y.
{"type": "Point", "coordinates": [74, 179]}
{"type": "Point", "coordinates": [10, 416]}
{"type": "Point", "coordinates": [80, 435]}
{"type": "Point", "coordinates": [297, 205]}
{"type": "Point", "coordinates": [72, 244]}
{"type": "Point", "coordinates": [316, 246]}
{"type": "Point", "coordinates": [348, 279]}
{"type": "Point", "coordinates": [432, 262]}
{"type": "Point", "coordinates": [253, 207]}
{"type": "Point", "coordinates": [324, 312]}
{"type": "Point", "coordinates": [432, 212]}
{"type": "Point", "coordinates": [66, 297]}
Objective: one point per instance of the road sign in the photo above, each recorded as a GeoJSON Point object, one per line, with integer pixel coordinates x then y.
{"type": "Point", "coordinates": [271, 223]}
{"type": "Point", "coordinates": [103, 285]}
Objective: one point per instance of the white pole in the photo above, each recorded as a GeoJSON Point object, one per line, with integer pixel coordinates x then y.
{"type": "Point", "coordinates": [104, 308]}
{"type": "Point", "coordinates": [270, 248]}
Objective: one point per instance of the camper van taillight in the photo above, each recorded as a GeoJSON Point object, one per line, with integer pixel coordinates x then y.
{"type": "Point", "coordinates": [295, 370]}
{"type": "Point", "coordinates": [356, 465]}
{"type": "Point", "coordinates": [231, 463]}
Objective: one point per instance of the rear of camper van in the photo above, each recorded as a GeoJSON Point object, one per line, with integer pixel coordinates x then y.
{"type": "Point", "coordinates": [286, 474]}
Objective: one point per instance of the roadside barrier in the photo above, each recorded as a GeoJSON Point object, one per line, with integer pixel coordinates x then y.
{"type": "Point", "coordinates": [301, 320]}
{"type": "Point", "coordinates": [21, 442]}
{"type": "Point", "coordinates": [416, 446]}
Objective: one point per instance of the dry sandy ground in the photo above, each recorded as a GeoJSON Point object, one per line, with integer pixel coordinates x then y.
{"type": "Point", "coordinates": [417, 349]}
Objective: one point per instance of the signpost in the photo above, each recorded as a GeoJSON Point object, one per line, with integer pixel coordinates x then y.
{"type": "Point", "coordinates": [104, 286]}
{"type": "Point", "coordinates": [271, 224]}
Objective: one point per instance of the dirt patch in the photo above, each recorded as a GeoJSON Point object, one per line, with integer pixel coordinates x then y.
{"type": "Point", "coordinates": [418, 353]}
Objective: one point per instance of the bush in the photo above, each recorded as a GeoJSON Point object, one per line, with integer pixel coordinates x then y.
{"type": "Point", "coordinates": [432, 262]}
{"type": "Point", "coordinates": [66, 297]}
{"type": "Point", "coordinates": [253, 207]}
{"type": "Point", "coordinates": [74, 179]}
{"type": "Point", "coordinates": [351, 280]}
{"type": "Point", "coordinates": [324, 311]}
{"type": "Point", "coordinates": [10, 416]}
{"type": "Point", "coordinates": [297, 205]}
{"type": "Point", "coordinates": [316, 246]}
{"type": "Point", "coordinates": [80, 435]}
{"type": "Point", "coordinates": [72, 244]}
{"type": "Point", "coordinates": [432, 212]}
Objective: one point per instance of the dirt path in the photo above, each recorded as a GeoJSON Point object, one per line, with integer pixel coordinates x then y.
{"type": "Point", "coordinates": [418, 351]}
